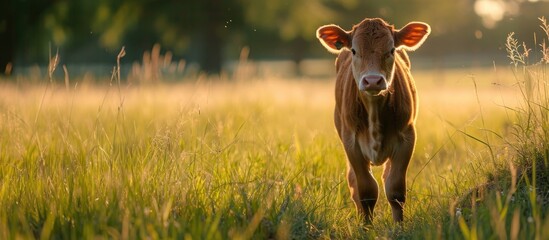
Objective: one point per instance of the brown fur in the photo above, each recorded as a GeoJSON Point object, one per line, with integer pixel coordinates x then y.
{"type": "Point", "coordinates": [375, 129]}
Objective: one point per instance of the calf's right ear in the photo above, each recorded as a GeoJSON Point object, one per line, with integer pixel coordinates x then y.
{"type": "Point", "coordinates": [333, 38]}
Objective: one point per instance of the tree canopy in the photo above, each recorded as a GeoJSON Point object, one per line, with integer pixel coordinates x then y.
{"type": "Point", "coordinates": [209, 32]}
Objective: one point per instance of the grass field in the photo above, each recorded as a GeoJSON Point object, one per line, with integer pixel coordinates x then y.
{"type": "Point", "coordinates": [260, 158]}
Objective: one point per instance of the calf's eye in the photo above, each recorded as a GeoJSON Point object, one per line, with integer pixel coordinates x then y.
{"type": "Point", "coordinates": [353, 51]}
{"type": "Point", "coordinates": [393, 51]}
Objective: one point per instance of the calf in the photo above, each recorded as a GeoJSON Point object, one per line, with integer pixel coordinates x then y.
{"type": "Point", "coordinates": [376, 106]}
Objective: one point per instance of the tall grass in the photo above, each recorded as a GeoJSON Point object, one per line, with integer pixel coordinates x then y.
{"type": "Point", "coordinates": [259, 158]}
{"type": "Point", "coordinates": [211, 160]}
{"type": "Point", "coordinates": [532, 127]}
{"type": "Point", "coordinates": [171, 167]}
{"type": "Point", "coordinates": [513, 203]}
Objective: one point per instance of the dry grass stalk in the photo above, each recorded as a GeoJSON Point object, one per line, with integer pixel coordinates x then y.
{"type": "Point", "coordinates": [66, 77]}
{"type": "Point", "coordinates": [155, 67]}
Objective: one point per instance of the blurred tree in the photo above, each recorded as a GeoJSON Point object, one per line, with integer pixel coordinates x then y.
{"type": "Point", "coordinates": [294, 22]}
{"type": "Point", "coordinates": [80, 27]}
{"type": "Point", "coordinates": [200, 27]}
{"type": "Point", "coordinates": [208, 31]}
{"type": "Point", "coordinates": [20, 29]}
{"type": "Point", "coordinates": [30, 27]}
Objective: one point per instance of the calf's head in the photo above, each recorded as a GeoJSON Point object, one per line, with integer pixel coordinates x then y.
{"type": "Point", "coordinates": [373, 43]}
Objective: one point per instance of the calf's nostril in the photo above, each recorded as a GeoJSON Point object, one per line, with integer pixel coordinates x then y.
{"type": "Point", "coordinates": [365, 81]}
{"type": "Point", "coordinates": [379, 81]}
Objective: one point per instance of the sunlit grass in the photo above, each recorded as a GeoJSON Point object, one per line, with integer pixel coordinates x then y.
{"type": "Point", "coordinates": [513, 200]}
{"type": "Point", "coordinates": [259, 158]}
{"type": "Point", "coordinates": [179, 162]}
{"type": "Point", "coordinates": [216, 159]}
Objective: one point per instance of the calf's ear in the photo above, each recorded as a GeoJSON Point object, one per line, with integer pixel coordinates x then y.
{"type": "Point", "coordinates": [411, 36]}
{"type": "Point", "coordinates": [333, 38]}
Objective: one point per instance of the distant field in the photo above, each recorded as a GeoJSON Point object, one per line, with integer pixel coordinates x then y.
{"type": "Point", "coordinates": [254, 158]}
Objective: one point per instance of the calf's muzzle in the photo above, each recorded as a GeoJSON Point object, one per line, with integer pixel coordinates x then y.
{"type": "Point", "coordinates": [372, 84]}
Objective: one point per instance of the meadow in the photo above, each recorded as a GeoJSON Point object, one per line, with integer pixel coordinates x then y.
{"type": "Point", "coordinates": [258, 157]}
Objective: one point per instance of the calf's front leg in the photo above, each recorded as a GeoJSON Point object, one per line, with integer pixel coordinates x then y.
{"type": "Point", "coordinates": [362, 184]}
{"type": "Point", "coordinates": [394, 176]}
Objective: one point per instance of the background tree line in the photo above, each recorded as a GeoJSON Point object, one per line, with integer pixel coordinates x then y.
{"type": "Point", "coordinates": [210, 32]}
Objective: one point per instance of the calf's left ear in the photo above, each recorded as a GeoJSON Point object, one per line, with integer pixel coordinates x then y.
{"type": "Point", "coordinates": [411, 36]}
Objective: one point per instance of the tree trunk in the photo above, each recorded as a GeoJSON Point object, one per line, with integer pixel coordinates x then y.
{"type": "Point", "coordinates": [211, 54]}
{"type": "Point", "coordinates": [7, 39]}
{"type": "Point", "coordinates": [299, 46]}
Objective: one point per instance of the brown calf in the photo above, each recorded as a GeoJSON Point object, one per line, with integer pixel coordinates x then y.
{"type": "Point", "coordinates": [376, 106]}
